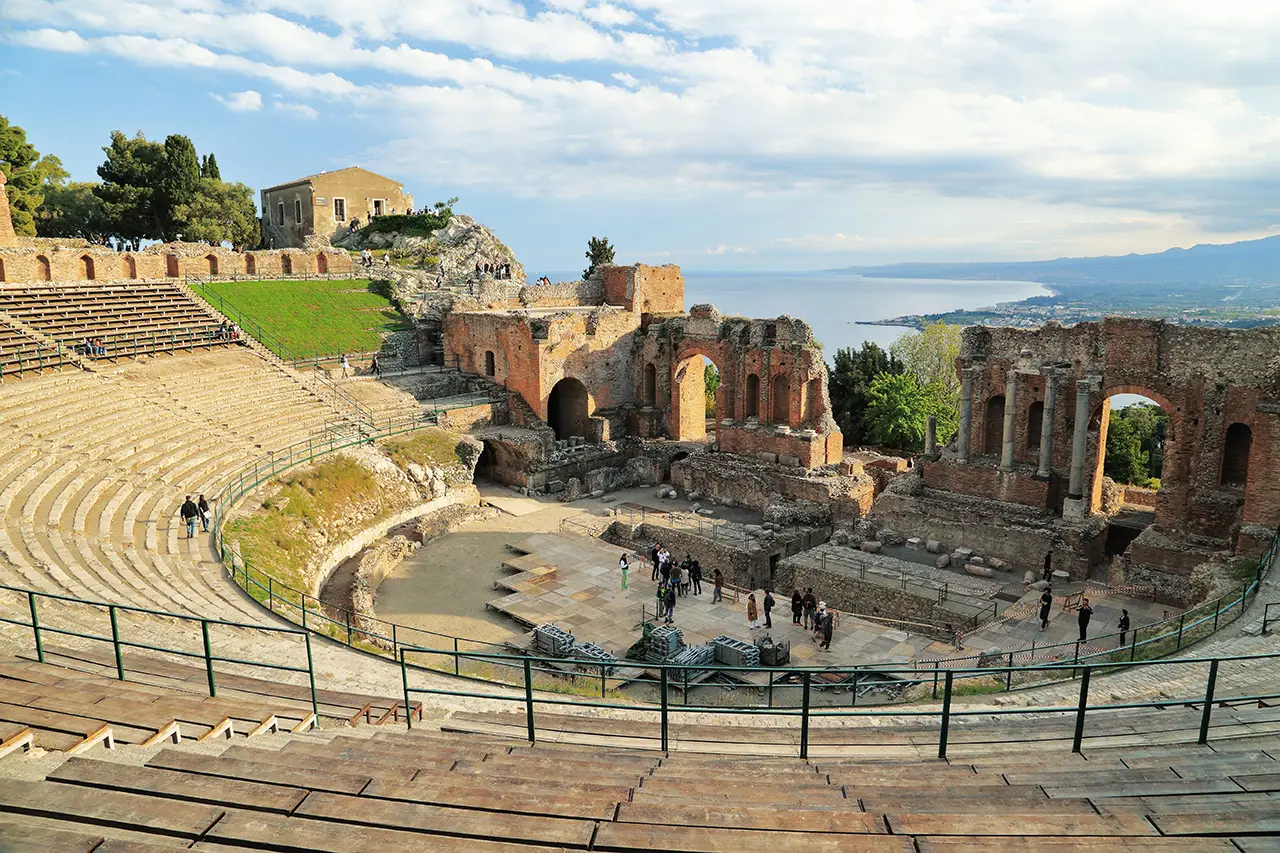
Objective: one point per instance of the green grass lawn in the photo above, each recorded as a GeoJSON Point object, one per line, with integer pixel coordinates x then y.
{"type": "Point", "coordinates": [312, 317]}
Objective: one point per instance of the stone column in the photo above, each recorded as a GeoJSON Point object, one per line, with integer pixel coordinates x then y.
{"type": "Point", "coordinates": [1080, 435]}
{"type": "Point", "coordinates": [966, 411]}
{"type": "Point", "coordinates": [1010, 420]}
{"type": "Point", "coordinates": [930, 435]}
{"type": "Point", "coordinates": [1046, 421]}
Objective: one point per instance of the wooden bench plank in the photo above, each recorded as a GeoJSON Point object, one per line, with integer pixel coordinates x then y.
{"type": "Point", "coordinates": [1259, 783]}
{"type": "Point", "coordinates": [1059, 779]}
{"type": "Point", "coordinates": [849, 820]}
{"type": "Point", "coordinates": [176, 784]}
{"type": "Point", "coordinates": [108, 808]}
{"type": "Point", "coordinates": [317, 836]}
{"type": "Point", "coordinates": [1147, 789]}
{"type": "Point", "coordinates": [1053, 844]}
{"type": "Point", "coordinates": [675, 839]}
{"type": "Point", "coordinates": [392, 814]}
{"type": "Point", "coordinates": [1017, 824]}
{"type": "Point", "coordinates": [17, 837]}
{"type": "Point", "coordinates": [266, 771]}
{"type": "Point", "coordinates": [502, 799]}
{"type": "Point", "coordinates": [1193, 804]}
{"type": "Point", "coordinates": [1260, 822]}
{"type": "Point", "coordinates": [1002, 804]}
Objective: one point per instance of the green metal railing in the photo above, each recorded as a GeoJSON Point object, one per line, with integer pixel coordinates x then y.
{"type": "Point", "coordinates": [119, 643]}
{"type": "Point", "coordinates": [21, 363]}
{"type": "Point", "coordinates": [806, 683]}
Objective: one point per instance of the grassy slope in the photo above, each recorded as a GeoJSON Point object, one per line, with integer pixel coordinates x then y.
{"type": "Point", "coordinates": [315, 316]}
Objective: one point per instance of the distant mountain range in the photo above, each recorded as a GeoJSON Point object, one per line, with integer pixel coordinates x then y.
{"type": "Point", "coordinates": [1245, 262]}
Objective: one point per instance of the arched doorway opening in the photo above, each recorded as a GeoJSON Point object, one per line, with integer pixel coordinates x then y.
{"type": "Point", "coordinates": [286, 265]}
{"type": "Point", "coordinates": [649, 394]}
{"type": "Point", "coordinates": [1134, 432]}
{"type": "Point", "coordinates": [2, 278]}
{"type": "Point", "coordinates": [993, 426]}
{"type": "Point", "coordinates": [129, 266]}
{"type": "Point", "coordinates": [490, 364]}
{"type": "Point", "coordinates": [698, 398]}
{"type": "Point", "coordinates": [322, 266]}
{"type": "Point", "coordinates": [814, 406]}
{"type": "Point", "coordinates": [212, 261]}
{"type": "Point", "coordinates": [569, 409]}
{"type": "Point", "coordinates": [43, 271]}
{"type": "Point", "coordinates": [751, 402]}
{"type": "Point", "coordinates": [251, 264]}
{"type": "Point", "coordinates": [1236, 446]}
{"type": "Point", "coordinates": [1035, 421]}
{"type": "Point", "coordinates": [780, 399]}
{"type": "Point", "coordinates": [171, 266]}
{"type": "Point", "coordinates": [87, 270]}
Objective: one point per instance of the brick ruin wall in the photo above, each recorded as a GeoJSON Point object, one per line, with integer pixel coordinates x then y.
{"type": "Point", "coordinates": [35, 261]}
{"type": "Point", "coordinates": [756, 485]}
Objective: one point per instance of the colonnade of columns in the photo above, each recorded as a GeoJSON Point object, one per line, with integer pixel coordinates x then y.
{"type": "Point", "coordinates": [1086, 387]}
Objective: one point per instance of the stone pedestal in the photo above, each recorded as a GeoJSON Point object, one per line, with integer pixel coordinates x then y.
{"type": "Point", "coordinates": [1074, 509]}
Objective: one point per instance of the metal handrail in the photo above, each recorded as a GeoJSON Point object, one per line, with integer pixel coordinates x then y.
{"type": "Point", "coordinates": [529, 666]}
{"type": "Point", "coordinates": [119, 645]}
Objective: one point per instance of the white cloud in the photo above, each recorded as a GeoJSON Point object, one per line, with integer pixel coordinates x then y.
{"type": "Point", "coordinates": [1159, 110]}
{"type": "Point", "coordinates": [300, 110]}
{"type": "Point", "coordinates": [241, 102]}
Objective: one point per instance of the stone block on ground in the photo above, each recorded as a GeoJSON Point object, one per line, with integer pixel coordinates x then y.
{"type": "Point", "coordinates": [962, 553]}
{"type": "Point", "coordinates": [977, 561]}
{"type": "Point", "coordinates": [979, 571]}
{"type": "Point", "coordinates": [996, 563]}
{"type": "Point", "coordinates": [933, 546]}
{"type": "Point", "coordinates": [1060, 576]}
{"type": "Point", "coordinates": [915, 543]}
{"type": "Point", "coordinates": [766, 456]}
{"type": "Point", "coordinates": [871, 546]}
{"type": "Point", "coordinates": [789, 461]}
{"type": "Point", "coordinates": [554, 487]}
{"type": "Point", "coordinates": [890, 537]}
{"type": "Point", "coordinates": [943, 561]}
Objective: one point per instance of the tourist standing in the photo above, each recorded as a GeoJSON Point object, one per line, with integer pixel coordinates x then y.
{"type": "Point", "coordinates": [717, 593]}
{"type": "Point", "coordinates": [768, 608]}
{"type": "Point", "coordinates": [190, 512]}
{"type": "Point", "coordinates": [624, 566]}
{"type": "Point", "coordinates": [810, 606]}
{"type": "Point", "coordinates": [346, 366]}
{"type": "Point", "coordinates": [203, 506]}
{"type": "Point", "coordinates": [753, 613]}
{"type": "Point", "coordinates": [1086, 613]}
{"type": "Point", "coordinates": [670, 601]}
{"type": "Point", "coordinates": [797, 606]}
{"type": "Point", "coordinates": [374, 367]}
{"type": "Point", "coordinates": [684, 578]}
{"type": "Point", "coordinates": [828, 628]}
{"type": "Point", "coordinates": [819, 615]}
{"type": "Point", "coordinates": [1046, 605]}
{"type": "Point", "coordinates": [1124, 625]}
{"type": "Point", "coordinates": [653, 560]}
{"type": "Point", "coordinates": [695, 577]}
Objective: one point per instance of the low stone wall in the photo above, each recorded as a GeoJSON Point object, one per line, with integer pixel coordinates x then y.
{"type": "Point", "coordinates": [757, 485]}
{"type": "Point", "coordinates": [1136, 496]}
{"type": "Point", "coordinates": [805, 449]}
{"type": "Point", "coordinates": [562, 294]}
{"type": "Point", "coordinates": [42, 262]}
{"type": "Point", "coordinates": [471, 417]}
{"type": "Point", "coordinates": [846, 592]}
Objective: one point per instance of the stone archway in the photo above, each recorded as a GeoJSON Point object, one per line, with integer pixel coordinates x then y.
{"type": "Point", "coordinates": [322, 266]}
{"type": "Point", "coordinates": [251, 264]}
{"type": "Point", "coordinates": [129, 266]}
{"type": "Point", "coordinates": [286, 265]}
{"type": "Point", "coordinates": [569, 409]}
{"type": "Point", "coordinates": [689, 397]}
{"type": "Point", "coordinates": [171, 266]}
{"type": "Point", "coordinates": [43, 271]}
{"type": "Point", "coordinates": [212, 260]}
{"type": "Point", "coordinates": [780, 399]}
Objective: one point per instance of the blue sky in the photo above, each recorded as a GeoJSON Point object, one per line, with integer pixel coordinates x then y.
{"type": "Point", "coordinates": [718, 134]}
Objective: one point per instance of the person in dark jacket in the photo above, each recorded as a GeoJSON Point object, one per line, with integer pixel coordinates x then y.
{"type": "Point", "coordinates": [797, 606]}
{"type": "Point", "coordinates": [1085, 614]}
{"type": "Point", "coordinates": [828, 628]}
{"type": "Point", "coordinates": [669, 599]}
{"type": "Point", "coordinates": [810, 607]}
{"type": "Point", "coordinates": [717, 594]}
{"type": "Point", "coordinates": [695, 577]}
{"type": "Point", "coordinates": [1046, 605]}
{"type": "Point", "coordinates": [653, 559]}
{"type": "Point", "coordinates": [203, 506]}
{"type": "Point", "coordinates": [1124, 625]}
{"type": "Point", "coordinates": [190, 512]}
{"type": "Point", "coordinates": [768, 608]}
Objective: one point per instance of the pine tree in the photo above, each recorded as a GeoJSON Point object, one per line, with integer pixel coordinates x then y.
{"type": "Point", "coordinates": [209, 168]}
{"type": "Point", "coordinates": [599, 254]}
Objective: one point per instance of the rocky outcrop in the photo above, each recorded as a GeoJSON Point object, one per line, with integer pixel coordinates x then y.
{"type": "Point", "coordinates": [448, 257]}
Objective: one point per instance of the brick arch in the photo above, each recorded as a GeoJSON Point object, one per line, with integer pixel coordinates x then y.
{"type": "Point", "coordinates": [128, 266]}
{"type": "Point", "coordinates": [1096, 421]}
{"type": "Point", "coordinates": [688, 393]}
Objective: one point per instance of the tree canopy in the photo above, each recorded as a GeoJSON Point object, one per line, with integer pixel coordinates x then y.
{"type": "Point", "coordinates": [711, 384]}
{"type": "Point", "coordinates": [850, 377]}
{"type": "Point", "coordinates": [931, 355]}
{"type": "Point", "coordinates": [71, 209]}
{"type": "Point", "coordinates": [26, 173]}
{"type": "Point", "coordinates": [219, 212]}
{"type": "Point", "coordinates": [898, 406]}
{"type": "Point", "coordinates": [599, 254]}
{"type": "Point", "coordinates": [1135, 445]}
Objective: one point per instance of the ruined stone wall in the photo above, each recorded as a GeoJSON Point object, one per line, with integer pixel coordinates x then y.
{"type": "Point", "coordinates": [8, 237]}
{"type": "Point", "coordinates": [756, 485]}
{"type": "Point", "coordinates": [42, 262]}
{"type": "Point", "coordinates": [562, 294]}
{"type": "Point", "coordinates": [847, 593]}
{"type": "Point", "coordinates": [644, 289]}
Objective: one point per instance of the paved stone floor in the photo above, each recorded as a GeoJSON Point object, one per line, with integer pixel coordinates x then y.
{"type": "Point", "coordinates": [574, 582]}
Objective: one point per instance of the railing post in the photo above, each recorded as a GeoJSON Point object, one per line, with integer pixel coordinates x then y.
{"type": "Point", "coordinates": [528, 698]}
{"type": "Point", "coordinates": [456, 669]}
{"type": "Point", "coordinates": [1008, 675]}
{"type": "Point", "coordinates": [1080, 709]}
{"type": "Point", "coordinates": [804, 714]}
{"type": "Point", "coordinates": [1133, 644]}
{"type": "Point", "coordinates": [304, 611]}
{"type": "Point", "coordinates": [394, 644]}
{"type": "Point", "coordinates": [945, 730]}
{"type": "Point", "coordinates": [271, 595]}
{"type": "Point", "coordinates": [663, 705]}
{"type": "Point", "coordinates": [404, 682]}
{"type": "Point", "coordinates": [208, 656]}
{"type": "Point", "coordinates": [853, 703]}
{"type": "Point", "coordinates": [1216, 611]}
{"type": "Point", "coordinates": [115, 642]}
{"type": "Point", "coordinates": [1182, 617]}
{"type": "Point", "coordinates": [311, 678]}
{"type": "Point", "coordinates": [347, 613]}
{"type": "Point", "coordinates": [1208, 701]}
{"type": "Point", "coordinates": [935, 679]}
{"type": "Point", "coordinates": [602, 683]}
{"type": "Point", "coordinates": [35, 626]}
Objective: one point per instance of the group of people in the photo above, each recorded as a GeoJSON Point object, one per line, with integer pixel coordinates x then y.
{"type": "Point", "coordinates": [366, 258]}
{"type": "Point", "coordinates": [1083, 616]}
{"type": "Point", "coordinates": [813, 615]}
{"type": "Point", "coordinates": [228, 332]}
{"type": "Point", "coordinates": [675, 580]}
{"type": "Point", "coordinates": [192, 510]}
{"type": "Point", "coordinates": [498, 271]}
{"type": "Point", "coordinates": [93, 347]}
